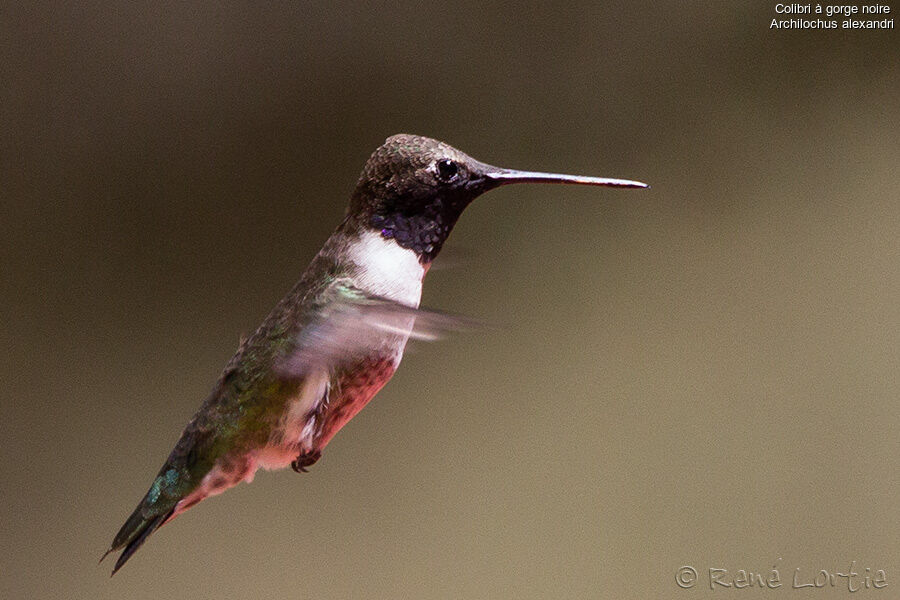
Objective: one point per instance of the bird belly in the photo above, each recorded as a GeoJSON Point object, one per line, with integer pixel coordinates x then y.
{"type": "Point", "coordinates": [295, 428]}
{"type": "Point", "coordinates": [325, 404]}
{"type": "Point", "coordinates": [357, 388]}
{"type": "Point", "coordinates": [306, 423]}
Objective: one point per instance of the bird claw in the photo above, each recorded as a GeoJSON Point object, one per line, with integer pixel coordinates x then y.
{"type": "Point", "coordinates": [305, 459]}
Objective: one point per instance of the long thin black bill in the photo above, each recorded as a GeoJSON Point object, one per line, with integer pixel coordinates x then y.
{"type": "Point", "coordinates": [506, 176]}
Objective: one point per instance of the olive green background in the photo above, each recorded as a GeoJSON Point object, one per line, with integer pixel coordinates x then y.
{"type": "Point", "coordinates": [704, 374]}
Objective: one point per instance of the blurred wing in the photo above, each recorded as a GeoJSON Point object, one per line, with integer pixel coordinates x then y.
{"type": "Point", "coordinates": [352, 324]}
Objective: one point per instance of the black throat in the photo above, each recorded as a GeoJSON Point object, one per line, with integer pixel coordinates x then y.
{"type": "Point", "coordinates": [422, 227]}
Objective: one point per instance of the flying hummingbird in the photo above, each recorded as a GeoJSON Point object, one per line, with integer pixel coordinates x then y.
{"type": "Point", "coordinates": [337, 337]}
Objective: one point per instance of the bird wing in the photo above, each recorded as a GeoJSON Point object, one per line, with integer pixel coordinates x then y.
{"type": "Point", "coordinates": [354, 324]}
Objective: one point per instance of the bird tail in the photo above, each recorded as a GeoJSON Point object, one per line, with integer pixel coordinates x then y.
{"type": "Point", "coordinates": [153, 511]}
{"type": "Point", "coordinates": [135, 532]}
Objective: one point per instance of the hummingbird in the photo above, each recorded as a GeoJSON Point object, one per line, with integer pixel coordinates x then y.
{"type": "Point", "coordinates": [338, 335]}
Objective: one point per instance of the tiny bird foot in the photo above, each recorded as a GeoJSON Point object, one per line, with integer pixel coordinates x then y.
{"type": "Point", "coordinates": [304, 460]}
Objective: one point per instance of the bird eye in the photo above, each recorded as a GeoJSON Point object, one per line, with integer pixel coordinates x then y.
{"type": "Point", "coordinates": [447, 170]}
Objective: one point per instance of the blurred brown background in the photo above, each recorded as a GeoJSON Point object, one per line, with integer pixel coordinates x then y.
{"type": "Point", "coordinates": [701, 374]}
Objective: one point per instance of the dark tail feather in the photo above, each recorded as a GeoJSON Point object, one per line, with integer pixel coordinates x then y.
{"type": "Point", "coordinates": [134, 533]}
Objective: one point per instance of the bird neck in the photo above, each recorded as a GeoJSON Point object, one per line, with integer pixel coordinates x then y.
{"type": "Point", "coordinates": [419, 224]}
{"type": "Point", "coordinates": [376, 264]}
{"type": "Point", "coordinates": [382, 267]}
